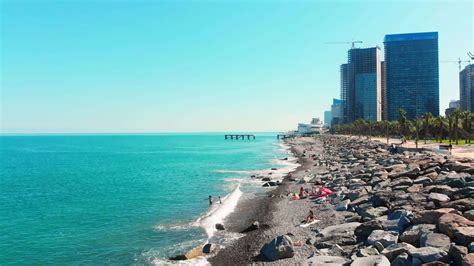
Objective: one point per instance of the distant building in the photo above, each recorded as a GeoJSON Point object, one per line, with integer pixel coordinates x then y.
{"type": "Point", "coordinates": [364, 85]}
{"type": "Point", "coordinates": [315, 127]}
{"type": "Point", "coordinates": [327, 118]}
{"type": "Point", "coordinates": [344, 96]}
{"type": "Point", "coordinates": [336, 112]}
{"type": "Point", "coordinates": [466, 88]}
{"type": "Point", "coordinates": [412, 74]}
{"type": "Point", "coordinates": [453, 105]}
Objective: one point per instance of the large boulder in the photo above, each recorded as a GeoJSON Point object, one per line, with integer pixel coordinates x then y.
{"type": "Point", "coordinates": [435, 240]}
{"type": "Point", "coordinates": [457, 253]}
{"type": "Point", "coordinates": [438, 197]}
{"type": "Point", "coordinates": [413, 233]}
{"type": "Point", "coordinates": [363, 231]}
{"type": "Point", "coordinates": [393, 251]}
{"type": "Point", "coordinates": [464, 236]}
{"type": "Point", "coordinates": [431, 216]}
{"type": "Point", "coordinates": [280, 247]}
{"type": "Point", "coordinates": [429, 254]}
{"type": "Point", "coordinates": [377, 260]}
{"type": "Point", "coordinates": [402, 260]}
{"type": "Point", "coordinates": [346, 229]}
{"type": "Point", "coordinates": [386, 238]}
{"type": "Point", "coordinates": [450, 223]}
{"type": "Point", "coordinates": [469, 215]}
{"type": "Point", "coordinates": [372, 213]}
{"type": "Point", "coordinates": [343, 205]}
{"type": "Point", "coordinates": [460, 204]}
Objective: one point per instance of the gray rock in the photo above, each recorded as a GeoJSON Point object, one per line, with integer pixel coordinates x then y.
{"type": "Point", "coordinates": [280, 247]}
{"type": "Point", "coordinates": [328, 260]}
{"type": "Point", "coordinates": [372, 213]}
{"type": "Point", "coordinates": [378, 246]}
{"type": "Point", "coordinates": [343, 205]}
{"type": "Point", "coordinates": [386, 238]}
{"type": "Point", "coordinates": [208, 248]}
{"type": "Point", "coordinates": [413, 233]}
{"type": "Point", "coordinates": [438, 197]}
{"type": "Point", "coordinates": [457, 253]}
{"type": "Point", "coordinates": [368, 251]}
{"type": "Point", "coordinates": [424, 180]}
{"type": "Point", "coordinates": [364, 230]}
{"type": "Point", "coordinates": [393, 251]}
{"type": "Point", "coordinates": [469, 215]}
{"type": "Point", "coordinates": [254, 226]}
{"type": "Point", "coordinates": [401, 260]}
{"type": "Point", "coordinates": [346, 229]}
{"type": "Point", "coordinates": [435, 240]}
{"type": "Point", "coordinates": [220, 227]}
{"type": "Point", "coordinates": [429, 254]}
{"type": "Point", "coordinates": [464, 235]}
{"type": "Point", "coordinates": [471, 247]}
{"type": "Point", "coordinates": [371, 261]}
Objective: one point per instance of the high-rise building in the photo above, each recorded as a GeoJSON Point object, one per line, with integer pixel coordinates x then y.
{"type": "Point", "coordinates": [344, 99]}
{"type": "Point", "coordinates": [466, 88]}
{"type": "Point", "coordinates": [336, 112]}
{"type": "Point", "coordinates": [453, 105]}
{"type": "Point", "coordinates": [384, 92]}
{"type": "Point", "coordinates": [412, 74]}
{"type": "Point", "coordinates": [364, 85]}
{"type": "Point", "coordinates": [327, 118]}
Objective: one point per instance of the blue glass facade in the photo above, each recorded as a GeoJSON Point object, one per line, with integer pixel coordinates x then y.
{"type": "Point", "coordinates": [412, 74]}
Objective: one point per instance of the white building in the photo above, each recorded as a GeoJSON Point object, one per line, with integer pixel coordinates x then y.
{"type": "Point", "coordinates": [315, 127]}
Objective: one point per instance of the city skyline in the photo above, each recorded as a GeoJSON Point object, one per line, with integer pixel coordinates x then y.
{"type": "Point", "coordinates": [191, 66]}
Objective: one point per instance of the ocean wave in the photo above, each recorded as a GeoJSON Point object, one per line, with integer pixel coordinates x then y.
{"type": "Point", "coordinates": [218, 212]}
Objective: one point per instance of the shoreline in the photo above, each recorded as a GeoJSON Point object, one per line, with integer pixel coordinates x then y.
{"type": "Point", "coordinates": [363, 174]}
{"type": "Point", "coordinates": [243, 250]}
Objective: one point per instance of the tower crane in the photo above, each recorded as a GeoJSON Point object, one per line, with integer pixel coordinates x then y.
{"type": "Point", "coordinates": [459, 61]}
{"type": "Point", "coordinates": [351, 42]}
{"type": "Point", "coordinates": [470, 55]}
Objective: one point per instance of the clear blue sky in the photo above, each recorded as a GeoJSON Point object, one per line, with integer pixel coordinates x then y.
{"type": "Point", "coordinates": [172, 66]}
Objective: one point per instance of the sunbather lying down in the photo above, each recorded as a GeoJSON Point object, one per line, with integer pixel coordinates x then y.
{"type": "Point", "coordinates": [310, 219]}
{"type": "Point", "coordinates": [320, 192]}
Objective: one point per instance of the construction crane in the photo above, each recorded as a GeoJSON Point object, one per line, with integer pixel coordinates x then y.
{"type": "Point", "coordinates": [470, 55]}
{"type": "Point", "coordinates": [352, 42]}
{"type": "Point", "coordinates": [459, 61]}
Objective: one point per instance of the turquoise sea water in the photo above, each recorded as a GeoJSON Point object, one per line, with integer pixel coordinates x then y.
{"type": "Point", "coordinates": [115, 199]}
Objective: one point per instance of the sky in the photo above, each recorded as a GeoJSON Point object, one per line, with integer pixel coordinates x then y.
{"type": "Point", "coordinates": [198, 66]}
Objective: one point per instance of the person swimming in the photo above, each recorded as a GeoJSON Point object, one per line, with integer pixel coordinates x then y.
{"type": "Point", "coordinates": [211, 200]}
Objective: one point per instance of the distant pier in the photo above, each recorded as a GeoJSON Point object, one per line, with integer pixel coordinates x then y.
{"type": "Point", "coordinates": [283, 136]}
{"type": "Point", "coordinates": [239, 136]}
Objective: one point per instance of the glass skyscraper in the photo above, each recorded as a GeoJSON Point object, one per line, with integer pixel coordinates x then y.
{"type": "Point", "coordinates": [412, 74]}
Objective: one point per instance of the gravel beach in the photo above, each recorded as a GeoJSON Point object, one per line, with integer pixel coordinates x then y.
{"type": "Point", "coordinates": [388, 208]}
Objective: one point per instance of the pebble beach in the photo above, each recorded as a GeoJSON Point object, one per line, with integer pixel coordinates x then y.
{"type": "Point", "coordinates": [403, 208]}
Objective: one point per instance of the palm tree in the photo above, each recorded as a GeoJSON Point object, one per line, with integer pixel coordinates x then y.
{"type": "Point", "coordinates": [450, 127]}
{"type": "Point", "coordinates": [466, 115]}
{"type": "Point", "coordinates": [418, 124]}
{"type": "Point", "coordinates": [440, 124]}
{"type": "Point", "coordinates": [427, 119]}
{"type": "Point", "coordinates": [403, 122]}
{"type": "Point", "coordinates": [456, 114]}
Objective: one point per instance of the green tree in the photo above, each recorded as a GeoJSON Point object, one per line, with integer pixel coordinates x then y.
{"type": "Point", "coordinates": [466, 115]}
{"type": "Point", "coordinates": [427, 125]}
{"type": "Point", "coordinates": [456, 115]}
{"type": "Point", "coordinates": [403, 123]}
{"type": "Point", "coordinates": [441, 125]}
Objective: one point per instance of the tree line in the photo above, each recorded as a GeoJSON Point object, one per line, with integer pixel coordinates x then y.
{"type": "Point", "coordinates": [454, 127]}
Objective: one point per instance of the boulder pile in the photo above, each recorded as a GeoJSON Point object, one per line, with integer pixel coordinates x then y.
{"type": "Point", "coordinates": [408, 208]}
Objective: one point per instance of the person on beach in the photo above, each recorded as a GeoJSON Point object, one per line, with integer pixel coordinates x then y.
{"type": "Point", "coordinates": [450, 149]}
{"type": "Point", "coordinates": [211, 200]}
{"type": "Point", "coordinates": [311, 217]}
{"type": "Point", "coordinates": [303, 193]}
{"type": "Point", "coordinates": [220, 200]}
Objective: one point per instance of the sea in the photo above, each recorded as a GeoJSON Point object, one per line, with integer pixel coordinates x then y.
{"type": "Point", "coordinates": [133, 199]}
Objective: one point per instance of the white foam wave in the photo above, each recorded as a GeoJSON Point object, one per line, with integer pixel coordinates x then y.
{"type": "Point", "coordinates": [219, 211]}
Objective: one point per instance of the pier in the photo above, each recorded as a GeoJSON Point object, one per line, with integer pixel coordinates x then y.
{"type": "Point", "coordinates": [283, 136]}
{"type": "Point", "coordinates": [239, 136]}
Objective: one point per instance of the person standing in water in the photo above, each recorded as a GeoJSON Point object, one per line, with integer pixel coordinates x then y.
{"type": "Point", "coordinates": [220, 200]}
{"type": "Point", "coordinates": [211, 200]}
